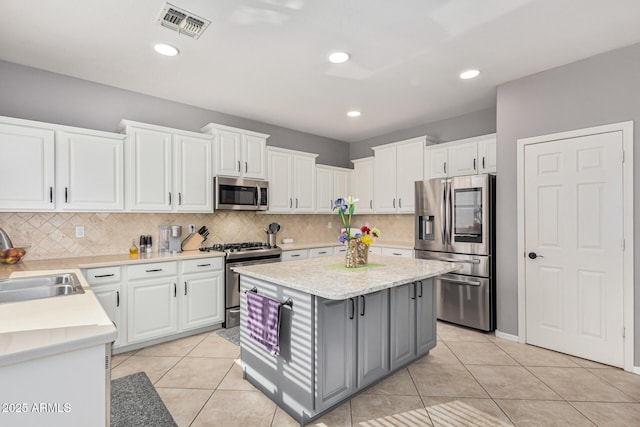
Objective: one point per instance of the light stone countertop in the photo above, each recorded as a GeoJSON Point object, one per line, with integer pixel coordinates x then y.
{"type": "Point", "coordinates": [49, 326]}
{"type": "Point", "coordinates": [325, 278]}
{"type": "Point", "coordinates": [306, 245]}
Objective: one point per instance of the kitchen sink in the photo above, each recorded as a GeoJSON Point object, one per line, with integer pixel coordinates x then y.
{"type": "Point", "coordinates": [37, 287]}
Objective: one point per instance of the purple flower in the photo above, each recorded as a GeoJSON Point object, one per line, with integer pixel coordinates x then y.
{"type": "Point", "coordinates": [340, 204]}
{"type": "Point", "coordinates": [343, 237]}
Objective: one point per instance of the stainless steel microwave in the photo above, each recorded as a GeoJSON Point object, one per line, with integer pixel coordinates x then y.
{"type": "Point", "coordinates": [240, 194]}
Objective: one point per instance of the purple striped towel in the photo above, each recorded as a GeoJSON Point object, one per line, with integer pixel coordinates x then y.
{"type": "Point", "coordinates": [263, 321]}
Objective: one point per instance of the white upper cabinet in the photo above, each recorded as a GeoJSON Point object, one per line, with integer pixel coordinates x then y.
{"type": "Point", "coordinates": [168, 169]}
{"type": "Point", "coordinates": [331, 183]}
{"type": "Point", "coordinates": [62, 168]}
{"type": "Point", "coordinates": [397, 166]}
{"type": "Point", "coordinates": [469, 156]}
{"type": "Point", "coordinates": [90, 171]}
{"type": "Point", "coordinates": [26, 167]}
{"type": "Point", "coordinates": [362, 184]}
{"type": "Point", "coordinates": [239, 152]}
{"type": "Point", "coordinates": [292, 180]}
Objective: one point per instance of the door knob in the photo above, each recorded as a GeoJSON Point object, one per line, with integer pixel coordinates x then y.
{"type": "Point", "coordinates": [534, 255]}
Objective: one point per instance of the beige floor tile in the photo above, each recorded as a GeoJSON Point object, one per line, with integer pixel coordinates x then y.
{"type": "Point", "coordinates": [478, 353]}
{"type": "Point", "coordinates": [154, 367]}
{"type": "Point", "coordinates": [458, 413]}
{"type": "Point", "coordinates": [119, 358]}
{"type": "Point", "coordinates": [579, 384]}
{"type": "Point", "coordinates": [511, 382]}
{"type": "Point", "coordinates": [375, 410]}
{"type": "Point", "coordinates": [445, 380]}
{"type": "Point", "coordinates": [236, 409]}
{"type": "Point", "coordinates": [447, 333]}
{"type": "Point", "coordinates": [605, 414]}
{"type": "Point", "coordinates": [184, 404]}
{"type": "Point", "coordinates": [626, 382]}
{"type": "Point", "coordinates": [588, 363]}
{"type": "Point", "coordinates": [529, 355]}
{"type": "Point", "coordinates": [196, 372]}
{"type": "Point", "coordinates": [179, 347]}
{"type": "Point", "coordinates": [215, 346]}
{"type": "Point", "coordinates": [339, 417]}
{"type": "Point", "coordinates": [439, 354]}
{"type": "Point", "coordinates": [234, 381]}
{"type": "Point", "coordinates": [486, 407]}
{"type": "Point", "coordinates": [398, 384]}
{"type": "Point", "coordinates": [543, 413]}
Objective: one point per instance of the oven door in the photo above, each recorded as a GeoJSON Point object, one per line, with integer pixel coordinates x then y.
{"type": "Point", "coordinates": [232, 280]}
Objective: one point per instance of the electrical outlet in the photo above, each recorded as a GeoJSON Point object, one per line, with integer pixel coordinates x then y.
{"type": "Point", "coordinates": [79, 230]}
{"type": "Point", "coordinates": [329, 225]}
{"type": "Point", "coordinates": [192, 228]}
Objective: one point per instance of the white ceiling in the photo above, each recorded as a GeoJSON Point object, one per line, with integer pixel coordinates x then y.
{"type": "Point", "coordinates": [266, 59]}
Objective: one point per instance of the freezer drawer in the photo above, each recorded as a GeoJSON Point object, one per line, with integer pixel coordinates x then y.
{"type": "Point", "coordinates": [465, 300]}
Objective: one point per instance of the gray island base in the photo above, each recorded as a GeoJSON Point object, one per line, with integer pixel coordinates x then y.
{"type": "Point", "coordinates": [344, 331]}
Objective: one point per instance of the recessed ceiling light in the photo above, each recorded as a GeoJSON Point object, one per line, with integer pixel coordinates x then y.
{"type": "Point", "coordinates": [338, 57]}
{"type": "Point", "coordinates": [353, 113]}
{"type": "Point", "coordinates": [165, 49]}
{"type": "Point", "coordinates": [469, 74]}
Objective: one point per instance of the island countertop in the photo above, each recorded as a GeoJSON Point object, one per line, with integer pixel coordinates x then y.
{"type": "Point", "coordinates": [326, 277]}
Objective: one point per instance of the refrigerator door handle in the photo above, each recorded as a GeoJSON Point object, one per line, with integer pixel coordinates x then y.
{"type": "Point", "coordinates": [449, 213]}
{"type": "Point", "coordinates": [443, 212]}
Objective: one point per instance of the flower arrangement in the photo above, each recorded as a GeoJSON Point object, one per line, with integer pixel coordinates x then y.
{"type": "Point", "coordinates": [357, 240]}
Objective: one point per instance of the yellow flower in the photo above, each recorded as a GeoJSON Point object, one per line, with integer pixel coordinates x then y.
{"type": "Point", "coordinates": [367, 240]}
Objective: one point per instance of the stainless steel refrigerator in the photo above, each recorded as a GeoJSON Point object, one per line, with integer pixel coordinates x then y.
{"type": "Point", "coordinates": [455, 222]}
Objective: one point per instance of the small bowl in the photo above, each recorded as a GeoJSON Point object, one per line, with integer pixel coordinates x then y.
{"type": "Point", "coordinates": [12, 255]}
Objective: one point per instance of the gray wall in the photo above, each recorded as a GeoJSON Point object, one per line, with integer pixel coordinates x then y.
{"type": "Point", "coordinates": [599, 90]}
{"type": "Point", "coordinates": [480, 122]}
{"type": "Point", "coordinates": [29, 93]}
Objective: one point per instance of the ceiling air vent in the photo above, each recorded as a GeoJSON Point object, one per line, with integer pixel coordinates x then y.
{"type": "Point", "coordinates": [183, 22]}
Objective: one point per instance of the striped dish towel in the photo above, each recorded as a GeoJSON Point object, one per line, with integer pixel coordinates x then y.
{"type": "Point", "coordinates": [263, 321]}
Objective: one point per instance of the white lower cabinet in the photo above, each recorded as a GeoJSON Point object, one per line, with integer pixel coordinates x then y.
{"type": "Point", "coordinates": [105, 284]}
{"type": "Point", "coordinates": [202, 293]}
{"type": "Point", "coordinates": [295, 254]}
{"type": "Point", "coordinates": [320, 252]}
{"type": "Point", "coordinates": [405, 253]}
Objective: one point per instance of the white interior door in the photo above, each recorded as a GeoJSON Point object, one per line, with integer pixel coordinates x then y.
{"type": "Point", "coordinates": [573, 223]}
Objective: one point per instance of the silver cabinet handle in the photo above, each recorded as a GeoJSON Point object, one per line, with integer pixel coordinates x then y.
{"type": "Point", "coordinates": [238, 165]}
{"type": "Point", "coordinates": [290, 203]}
{"type": "Point", "coordinates": [296, 203]}
{"type": "Point", "coordinates": [203, 265]}
{"type": "Point", "coordinates": [396, 254]}
{"type": "Point", "coordinates": [180, 199]}
{"type": "Point", "coordinates": [50, 194]}
{"type": "Point", "coordinates": [482, 162]}
{"type": "Point", "coordinates": [445, 167]}
{"type": "Point", "coordinates": [66, 194]}
{"type": "Point", "coordinates": [175, 290]}
{"type": "Point", "coordinates": [117, 298]}
{"type": "Point", "coordinates": [185, 287]}
{"type": "Point", "coordinates": [370, 204]}
{"type": "Point", "coordinates": [394, 203]}
{"type": "Point", "coordinates": [169, 198]}
{"type": "Point", "coordinates": [246, 167]}
{"type": "Point", "coordinates": [322, 252]}
{"type": "Point", "coordinates": [295, 255]}
{"type": "Point", "coordinates": [400, 203]}
{"type": "Point", "coordinates": [153, 270]}
{"type": "Point", "coordinates": [104, 275]}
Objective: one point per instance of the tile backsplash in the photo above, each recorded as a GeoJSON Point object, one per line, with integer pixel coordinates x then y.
{"type": "Point", "coordinates": [52, 234]}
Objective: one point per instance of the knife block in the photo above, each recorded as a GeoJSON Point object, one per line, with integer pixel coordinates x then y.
{"type": "Point", "coordinates": [192, 242]}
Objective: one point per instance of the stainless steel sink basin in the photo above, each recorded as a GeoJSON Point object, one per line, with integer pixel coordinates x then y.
{"type": "Point", "coordinates": [36, 287]}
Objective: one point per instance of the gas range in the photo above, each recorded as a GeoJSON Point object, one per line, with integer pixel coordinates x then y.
{"type": "Point", "coordinates": [245, 250]}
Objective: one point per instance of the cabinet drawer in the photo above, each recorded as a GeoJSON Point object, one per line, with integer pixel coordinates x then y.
{"type": "Point", "coordinates": [376, 250]}
{"type": "Point", "coordinates": [406, 253]}
{"type": "Point", "coordinates": [156, 269]}
{"type": "Point", "coordinates": [103, 275]}
{"type": "Point", "coordinates": [293, 255]}
{"type": "Point", "coordinates": [340, 250]}
{"type": "Point", "coordinates": [319, 252]}
{"type": "Point", "coordinates": [201, 265]}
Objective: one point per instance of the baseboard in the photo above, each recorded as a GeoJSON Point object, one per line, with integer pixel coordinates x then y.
{"type": "Point", "coordinates": [506, 336]}
{"type": "Point", "coordinates": [636, 370]}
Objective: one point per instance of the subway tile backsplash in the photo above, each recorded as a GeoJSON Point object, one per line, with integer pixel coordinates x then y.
{"type": "Point", "coordinates": [52, 234]}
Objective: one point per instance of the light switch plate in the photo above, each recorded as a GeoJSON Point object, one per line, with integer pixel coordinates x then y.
{"type": "Point", "coordinates": [79, 230]}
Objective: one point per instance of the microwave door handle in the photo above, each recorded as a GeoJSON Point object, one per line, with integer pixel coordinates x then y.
{"type": "Point", "coordinates": [257, 197]}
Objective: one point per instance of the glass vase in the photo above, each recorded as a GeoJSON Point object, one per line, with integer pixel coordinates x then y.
{"type": "Point", "coordinates": [357, 253]}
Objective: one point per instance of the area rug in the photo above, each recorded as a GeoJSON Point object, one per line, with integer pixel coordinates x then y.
{"type": "Point", "coordinates": [135, 402]}
{"type": "Point", "coordinates": [232, 334]}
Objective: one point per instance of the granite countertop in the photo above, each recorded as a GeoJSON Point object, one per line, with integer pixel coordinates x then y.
{"type": "Point", "coordinates": [49, 326]}
{"type": "Point", "coordinates": [326, 277]}
{"type": "Point", "coordinates": [100, 261]}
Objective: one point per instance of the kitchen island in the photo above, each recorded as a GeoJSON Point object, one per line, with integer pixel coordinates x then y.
{"type": "Point", "coordinates": [341, 330]}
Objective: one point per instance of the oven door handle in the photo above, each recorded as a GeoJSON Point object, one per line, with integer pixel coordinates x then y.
{"type": "Point", "coordinates": [460, 261]}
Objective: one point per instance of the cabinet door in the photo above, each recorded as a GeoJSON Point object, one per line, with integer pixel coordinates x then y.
{"type": "Point", "coordinates": [280, 167]}
{"type": "Point", "coordinates": [304, 183]}
{"type": "Point", "coordinates": [193, 174]}
{"type": "Point", "coordinates": [373, 337]}
{"type": "Point", "coordinates": [253, 148]}
{"type": "Point", "coordinates": [463, 159]}
{"type": "Point", "coordinates": [342, 185]}
{"type": "Point", "coordinates": [409, 169]}
{"type": "Point", "coordinates": [336, 344]}
{"type": "Point", "coordinates": [27, 175]}
{"type": "Point", "coordinates": [109, 297]}
{"type": "Point", "coordinates": [435, 162]}
{"type": "Point", "coordinates": [203, 300]}
{"type": "Point", "coordinates": [403, 325]}
{"type": "Point", "coordinates": [150, 182]}
{"type": "Point", "coordinates": [487, 155]}
{"type": "Point", "coordinates": [228, 153]}
{"type": "Point", "coordinates": [152, 309]}
{"type": "Point", "coordinates": [324, 190]}
{"type": "Point", "coordinates": [90, 169]}
{"type": "Point", "coordinates": [363, 185]}
{"type": "Point", "coordinates": [385, 180]}
{"type": "Point", "coordinates": [425, 316]}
